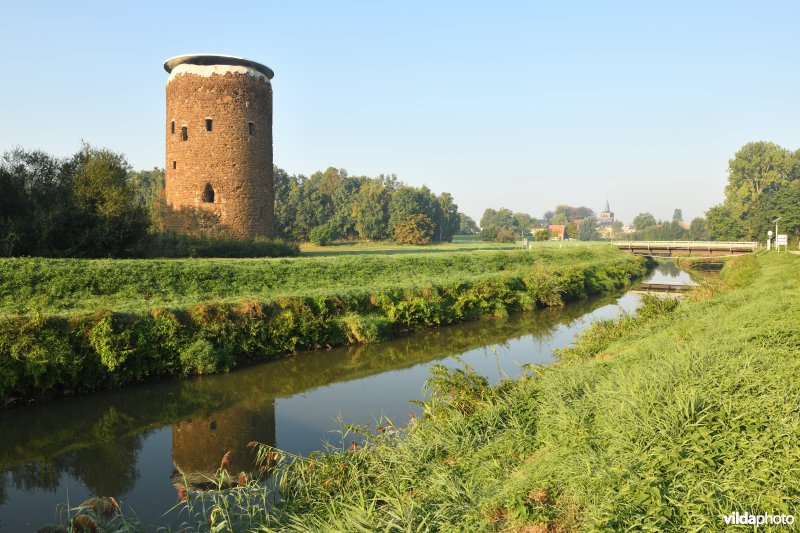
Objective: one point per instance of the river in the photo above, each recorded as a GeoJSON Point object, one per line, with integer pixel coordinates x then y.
{"type": "Point", "coordinates": [134, 444]}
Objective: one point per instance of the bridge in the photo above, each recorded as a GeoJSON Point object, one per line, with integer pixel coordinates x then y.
{"type": "Point", "coordinates": [697, 248]}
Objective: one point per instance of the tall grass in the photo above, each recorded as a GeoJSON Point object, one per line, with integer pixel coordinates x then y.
{"type": "Point", "coordinates": [664, 421]}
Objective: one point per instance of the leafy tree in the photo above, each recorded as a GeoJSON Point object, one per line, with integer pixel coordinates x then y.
{"type": "Point", "coordinates": [571, 229]}
{"type": "Point", "coordinates": [489, 234]}
{"type": "Point", "coordinates": [416, 229]}
{"type": "Point", "coordinates": [756, 168]}
{"type": "Point", "coordinates": [698, 230]}
{"type": "Point", "coordinates": [504, 235]}
{"type": "Point", "coordinates": [588, 229]}
{"type": "Point", "coordinates": [559, 219]}
{"type": "Point", "coordinates": [449, 222]}
{"type": "Point", "coordinates": [541, 234]}
{"type": "Point", "coordinates": [81, 206]}
{"type": "Point", "coordinates": [322, 235]}
{"type": "Point", "coordinates": [370, 210]}
{"type": "Point", "coordinates": [524, 222]}
{"type": "Point", "coordinates": [148, 187]}
{"type": "Point", "coordinates": [572, 214]}
{"type": "Point", "coordinates": [663, 231]}
{"type": "Point", "coordinates": [287, 192]}
{"type": "Point", "coordinates": [677, 215]}
{"type": "Point", "coordinates": [757, 172]}
{"type": "Point", "coordinates": [722, 225]}
{"type": "Point", "coordinates": [36, 204]}
{"type": "Point", "coordinates": [616, 229]}
{"type": "Point", "coordinates": [467, 226]}
{"type": "Point", "coordinates": [500, 219]}
{"type": "Point", "coordinates": [409, 201]}
{"type": "Point", "coordinates": [113, 221]}
{"type": "Point", "coordinates": [643, 220]}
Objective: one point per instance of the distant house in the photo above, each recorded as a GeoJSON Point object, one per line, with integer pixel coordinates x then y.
{"type": "Point", "coordinates": [558, 232]}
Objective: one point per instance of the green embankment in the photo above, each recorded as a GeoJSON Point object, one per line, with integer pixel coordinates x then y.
{"type": "Point", "coordinates": [71, 325]}
{"type": "Point", "coordinates": [668, 420]}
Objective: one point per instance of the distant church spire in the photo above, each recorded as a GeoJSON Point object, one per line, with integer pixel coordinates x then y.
{"type": "Point", "coordinates": [608, 209]}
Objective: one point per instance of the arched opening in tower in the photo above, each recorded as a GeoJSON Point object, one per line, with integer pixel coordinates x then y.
{"type": "Point", "coordinates": [208, 194]}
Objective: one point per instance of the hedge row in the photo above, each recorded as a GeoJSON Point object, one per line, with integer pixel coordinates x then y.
{"type": "Point", "coordinates": [42, 356]}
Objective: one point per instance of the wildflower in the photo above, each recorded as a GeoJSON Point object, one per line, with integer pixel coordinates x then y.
{"type": "Point", "coordinates": [181, 490]}
{"type": "Point", "coordinates": [242, 479]}
{"type": "Point", "coordinates": [226, 460]}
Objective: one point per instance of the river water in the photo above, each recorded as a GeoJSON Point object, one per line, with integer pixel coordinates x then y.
{"type": "Point", "coordinates": [134, 444]}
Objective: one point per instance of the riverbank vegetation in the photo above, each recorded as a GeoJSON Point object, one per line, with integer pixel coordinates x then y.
{"type": "Point", "coordinates": [84, 324]}
{"type": "Point", "coordinates": [670, 419]}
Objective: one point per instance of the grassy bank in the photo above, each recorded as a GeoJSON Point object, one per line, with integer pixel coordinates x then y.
{"type": "Point", "coordinates": [73, 325]}
{"type": "Point", "coordinates": [667, 420]}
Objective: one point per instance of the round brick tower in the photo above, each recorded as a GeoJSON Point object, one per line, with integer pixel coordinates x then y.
{"type": "Point", "coordinates": [219, 146]}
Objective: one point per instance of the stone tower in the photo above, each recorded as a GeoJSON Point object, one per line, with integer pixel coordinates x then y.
{"type": "Point", "coordinates": [219, 146]}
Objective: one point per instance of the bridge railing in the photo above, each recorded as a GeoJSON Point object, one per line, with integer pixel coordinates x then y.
{"type": "Point", "coordinates": [688, 245]}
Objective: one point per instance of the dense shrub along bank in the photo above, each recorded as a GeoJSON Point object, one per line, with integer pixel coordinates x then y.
{"type": "Point", "coordinates": [43, 354]}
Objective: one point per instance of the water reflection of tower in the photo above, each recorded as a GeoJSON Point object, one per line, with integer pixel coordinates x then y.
{"type": "Point", "coordinates": [198, 444]}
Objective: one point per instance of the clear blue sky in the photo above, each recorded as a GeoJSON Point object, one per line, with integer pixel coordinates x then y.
{"type": "Point", "coordinates": [522, 105]}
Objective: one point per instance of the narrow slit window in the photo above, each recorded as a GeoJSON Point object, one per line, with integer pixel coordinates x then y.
{"type": "Point", "coordinates": [209, 124]}
{"type": "Point", "coordinates": [184, 133]}
{"type": "Point", "coordinates": [174, 165]}
{"type": "Point", "coordinates": [172, 127]}
{"type": "Point", "coordinates": [208, 194]}
{"type": "Point", "coordinates": [251, 128]}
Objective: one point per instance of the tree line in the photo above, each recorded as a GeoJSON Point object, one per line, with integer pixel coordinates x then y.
{"type": "Point", "coordinates": [504, 225]}
{"type": "Point", "coordinates": [84, 205]}
{"type": "Point", "coordinates": [331, 205]}
{"type": "Point", "coordinates": [93, 204]}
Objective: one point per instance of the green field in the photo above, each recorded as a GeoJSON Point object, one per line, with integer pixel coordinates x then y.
{"type": "Point", "coordinates": [65, 287]}
{"type": "Point", "coordinates": [664, 421]}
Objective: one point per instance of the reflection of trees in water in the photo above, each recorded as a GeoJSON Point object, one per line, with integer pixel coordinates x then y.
{"type": "Point", "coordinates": [36, 475]}
{"type": "Point", "coordinates": [668, 268]}
{"type": "Point", "coordinates": [107, 469]}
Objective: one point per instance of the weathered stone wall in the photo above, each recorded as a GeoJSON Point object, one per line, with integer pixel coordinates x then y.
{"type": "Point", "coordinates": [234, 157]}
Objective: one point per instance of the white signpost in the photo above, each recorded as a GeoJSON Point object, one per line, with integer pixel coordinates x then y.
{"type": "Point", "coordinates": [781, 240]}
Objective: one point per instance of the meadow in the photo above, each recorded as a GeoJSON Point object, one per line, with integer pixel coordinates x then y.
{"type": "Point", "coordinates": [667, 420]}
{"type": "Point", "coordinates": [73, 325]}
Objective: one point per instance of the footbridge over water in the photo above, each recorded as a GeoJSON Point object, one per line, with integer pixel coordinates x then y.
{"type": "Point", "coordinates": [696, 248]}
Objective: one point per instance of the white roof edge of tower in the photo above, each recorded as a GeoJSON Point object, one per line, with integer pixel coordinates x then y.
{"type": "Point", "coordinates": [216, 59]}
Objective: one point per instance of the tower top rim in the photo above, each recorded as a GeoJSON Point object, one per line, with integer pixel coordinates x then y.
{"type": "Point", "coordinates": [216, 59]}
